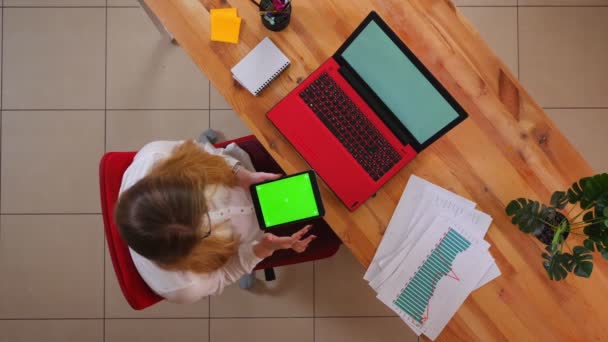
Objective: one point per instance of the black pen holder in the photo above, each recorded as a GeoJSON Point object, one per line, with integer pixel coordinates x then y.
{"type": "Point", "coordinates": [274, 20]}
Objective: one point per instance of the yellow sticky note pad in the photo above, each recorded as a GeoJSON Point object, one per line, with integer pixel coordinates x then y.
{"type": "Point", "coordinates": [225, 25]}
{"type": "Point", "coordinates": [224, 11]}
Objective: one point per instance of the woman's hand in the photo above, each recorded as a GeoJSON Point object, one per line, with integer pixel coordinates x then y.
{"type": "Point", "coordinates": [246, 178]}
{"type": "Point", "coordinates": [271, 242]}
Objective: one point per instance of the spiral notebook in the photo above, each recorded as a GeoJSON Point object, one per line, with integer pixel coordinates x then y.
{"type": "Point", "coordinates": [262, 65]}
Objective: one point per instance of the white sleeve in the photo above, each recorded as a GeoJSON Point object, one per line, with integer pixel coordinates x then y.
{"type": "Point", "coordinates": [220, 152]}
{"type": "Point", "coordinates": [214, 283]}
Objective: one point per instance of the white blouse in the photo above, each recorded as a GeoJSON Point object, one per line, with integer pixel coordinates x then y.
{"type": "Point", "coordinates": [226, 205]}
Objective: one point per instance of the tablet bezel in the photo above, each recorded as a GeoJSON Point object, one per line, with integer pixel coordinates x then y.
{"type": "Point", "coordinates": [315, 189]}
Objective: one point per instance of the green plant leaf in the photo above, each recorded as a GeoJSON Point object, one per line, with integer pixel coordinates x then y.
{"type": "Point", "coordinates": [588, 216]}
{"type": "Point", "coordinates": [595, 232]}
{"type": "Point", "coordinates": [559, 199]}
{"type": "Point", "coordinates": [528, 214]}
{"type": "Point", "coordinates": [604, 252]}
{"type": "Point", "coordinates": [581, 262]}
{"type": "Point", "coordinates": [595, 187]}
{"type": "Point", "coordinates": [589, 244]}
{"type": "Point", "coordinates": [557, 264]}
{"type": "Point", "coordinates": [575, 193]}
{"type": "Point", "coordinates": [580, 250]}
{"type": "Point", "coordinates": [513, 207]}
{"type": "Point", "coordinates": [603, 243]}
{"type": "Point", "coordinates": [601, 206]}
{"type": "Point", "coordinates": [584, 269]}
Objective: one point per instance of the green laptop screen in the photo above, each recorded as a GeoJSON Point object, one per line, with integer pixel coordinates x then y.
{"type": "Point", "coordinates": [398, 83]}
{"type": "Point", "coordinates": [287, 200]}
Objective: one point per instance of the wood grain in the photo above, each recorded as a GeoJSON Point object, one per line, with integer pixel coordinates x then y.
{"type": "Point", "coordinates": [507, 148]}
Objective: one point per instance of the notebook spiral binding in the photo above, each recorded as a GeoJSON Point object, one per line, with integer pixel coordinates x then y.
{"type": "Point", "coordinates": [272, 78]}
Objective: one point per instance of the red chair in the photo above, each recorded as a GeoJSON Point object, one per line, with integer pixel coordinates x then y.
{"type": "Point", "coordinates": [136, 291]}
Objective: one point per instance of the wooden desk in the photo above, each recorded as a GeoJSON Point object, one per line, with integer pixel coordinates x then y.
{"type": "Point", "coordinates": [506, 149]}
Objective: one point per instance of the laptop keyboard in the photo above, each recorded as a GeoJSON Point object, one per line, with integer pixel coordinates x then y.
{"type": "Point", "coordinates": [352, 128]}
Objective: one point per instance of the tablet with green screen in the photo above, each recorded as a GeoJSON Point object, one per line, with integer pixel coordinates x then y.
{"type": "Point", "coordinates": [286, 200]}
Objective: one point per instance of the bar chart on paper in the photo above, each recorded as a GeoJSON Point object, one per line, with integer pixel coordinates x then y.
{"type": "Point", "coordinates": [414, 298]}
{"type": "Point", "coordinates": [432, 257]}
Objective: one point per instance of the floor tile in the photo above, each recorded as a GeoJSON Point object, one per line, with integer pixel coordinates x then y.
{"type": "Point", "coordinates": [562, 2]}
{"type": "Point", "coordinates": [1, 26]}
{"type": "Point", "coordinates": [50, 161]}
{"type": "Point", "coordinates": [217, 100]}
{"type": "Point", "coordinates": [53, 3]}
{"type": "Point", "coordinates": [145, 70]}
{"type": "Point", "coordinates": [51, 330]}
{"type": "Point", "coordinates": [377, 329]}
{"type": "Point", "coordinates": [157, 330]}
{"type": "Point", "coordinates": [116, 305]}
{"type": "Point", "coordinates": [334, 298]}
{"type": "Point", "coordinates": [123, 3]}
{"type": "Point", "coordinates": [485, 2]}
{"type": "Point", "coordinates": [563, 55]}
{"type": "Point", "coordinates": [130, 130]}
{"type": "Point", "coordinates": [53, 58]}
{"type": "Point", "coordinates": [586, 130]}
{"type": "Point", "coordinates": [290, 295]}
{"type": "Point", "coordinates": [262, 330]}
{"type": "Point", "coordinates": [498, 27]}
{"type": "Point", "coordinates": [228, 123]}
{"type": "Point", "coordinates": [51, 266]}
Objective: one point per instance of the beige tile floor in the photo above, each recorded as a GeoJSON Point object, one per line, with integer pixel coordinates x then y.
{"type": "Point", "coordinates": [78, 79]}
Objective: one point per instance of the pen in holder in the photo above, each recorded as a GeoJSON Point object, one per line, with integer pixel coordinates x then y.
{"type": "Point", "coordinates": [275, 14]}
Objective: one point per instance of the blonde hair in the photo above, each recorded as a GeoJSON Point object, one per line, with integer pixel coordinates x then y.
{"type": "Point", "coordinates": [164, 217]}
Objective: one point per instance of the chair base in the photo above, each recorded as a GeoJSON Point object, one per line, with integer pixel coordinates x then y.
{"type": "Point", "coordinates": [269, 274]}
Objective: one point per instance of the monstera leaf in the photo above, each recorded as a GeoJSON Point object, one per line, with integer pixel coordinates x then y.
{"type": "Point", "coordinates": [601, 206]}
{"type": "Point", "coordinates": [559, 199]}
{"type": "Point", "coordinates": [575, 193]}
{"type": "Point", "coordinates": [589, 190]}
{"type": "Point", "coordinates": [581, 262]}
{"type": "Point", "coordinates": [596, 187]}
{"type": "Point", "coordinates": [529, 215]}
{"type": "Point", "coordinates": [557, 264]}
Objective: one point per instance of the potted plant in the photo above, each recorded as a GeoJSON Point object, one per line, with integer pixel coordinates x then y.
{"type": "Point", "coordinates": [586, 216]}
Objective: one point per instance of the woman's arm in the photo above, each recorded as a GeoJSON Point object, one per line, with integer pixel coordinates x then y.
{"type": "Point", "coordinates": [213, 283]}
{"type": "Point", "coordinates": [247, 257]}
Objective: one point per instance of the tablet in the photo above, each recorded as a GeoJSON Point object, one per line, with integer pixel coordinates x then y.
{"type": "Point", "coordinates": [290, 199]}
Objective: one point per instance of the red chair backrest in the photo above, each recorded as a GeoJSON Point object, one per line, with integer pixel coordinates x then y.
{"type": "Point", "coordinates": [136, 291]}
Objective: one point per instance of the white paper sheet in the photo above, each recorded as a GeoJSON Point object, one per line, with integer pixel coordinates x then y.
{"type": "Point", "coordinates": [452, 288]}
{"type": "Point", "coordinates": [397, 230]}
{"type": "Point", "coordinates": [433, 204]}
{"type": "Point", "coordinates": [473, 221]}
{"type": "Point", "coordinates": [423, 215]}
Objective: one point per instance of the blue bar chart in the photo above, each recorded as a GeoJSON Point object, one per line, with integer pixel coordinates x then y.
{"type": "Point", "coordinates": [415, 297]}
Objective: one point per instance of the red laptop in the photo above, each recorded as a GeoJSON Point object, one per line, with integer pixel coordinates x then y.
{"type": "Point", "coordinates": [366, 112]}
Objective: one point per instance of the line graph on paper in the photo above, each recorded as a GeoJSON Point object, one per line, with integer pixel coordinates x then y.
{"type": "Point", "coordinates": [415, 297]}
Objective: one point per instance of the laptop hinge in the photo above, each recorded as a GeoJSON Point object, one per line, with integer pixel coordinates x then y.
{"type": "Point", "coordinates": [376, 105]}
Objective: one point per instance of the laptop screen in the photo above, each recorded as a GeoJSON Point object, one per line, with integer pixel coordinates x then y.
{"type": "Point", "coordinates": [399, 83]}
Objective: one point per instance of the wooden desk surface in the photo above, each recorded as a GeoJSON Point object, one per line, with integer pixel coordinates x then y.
{"type": "Point", "coordinates": [507, 148]}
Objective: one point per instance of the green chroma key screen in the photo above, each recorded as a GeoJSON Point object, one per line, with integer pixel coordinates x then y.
{"type": "Point", "coordinates": [287, 200]}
